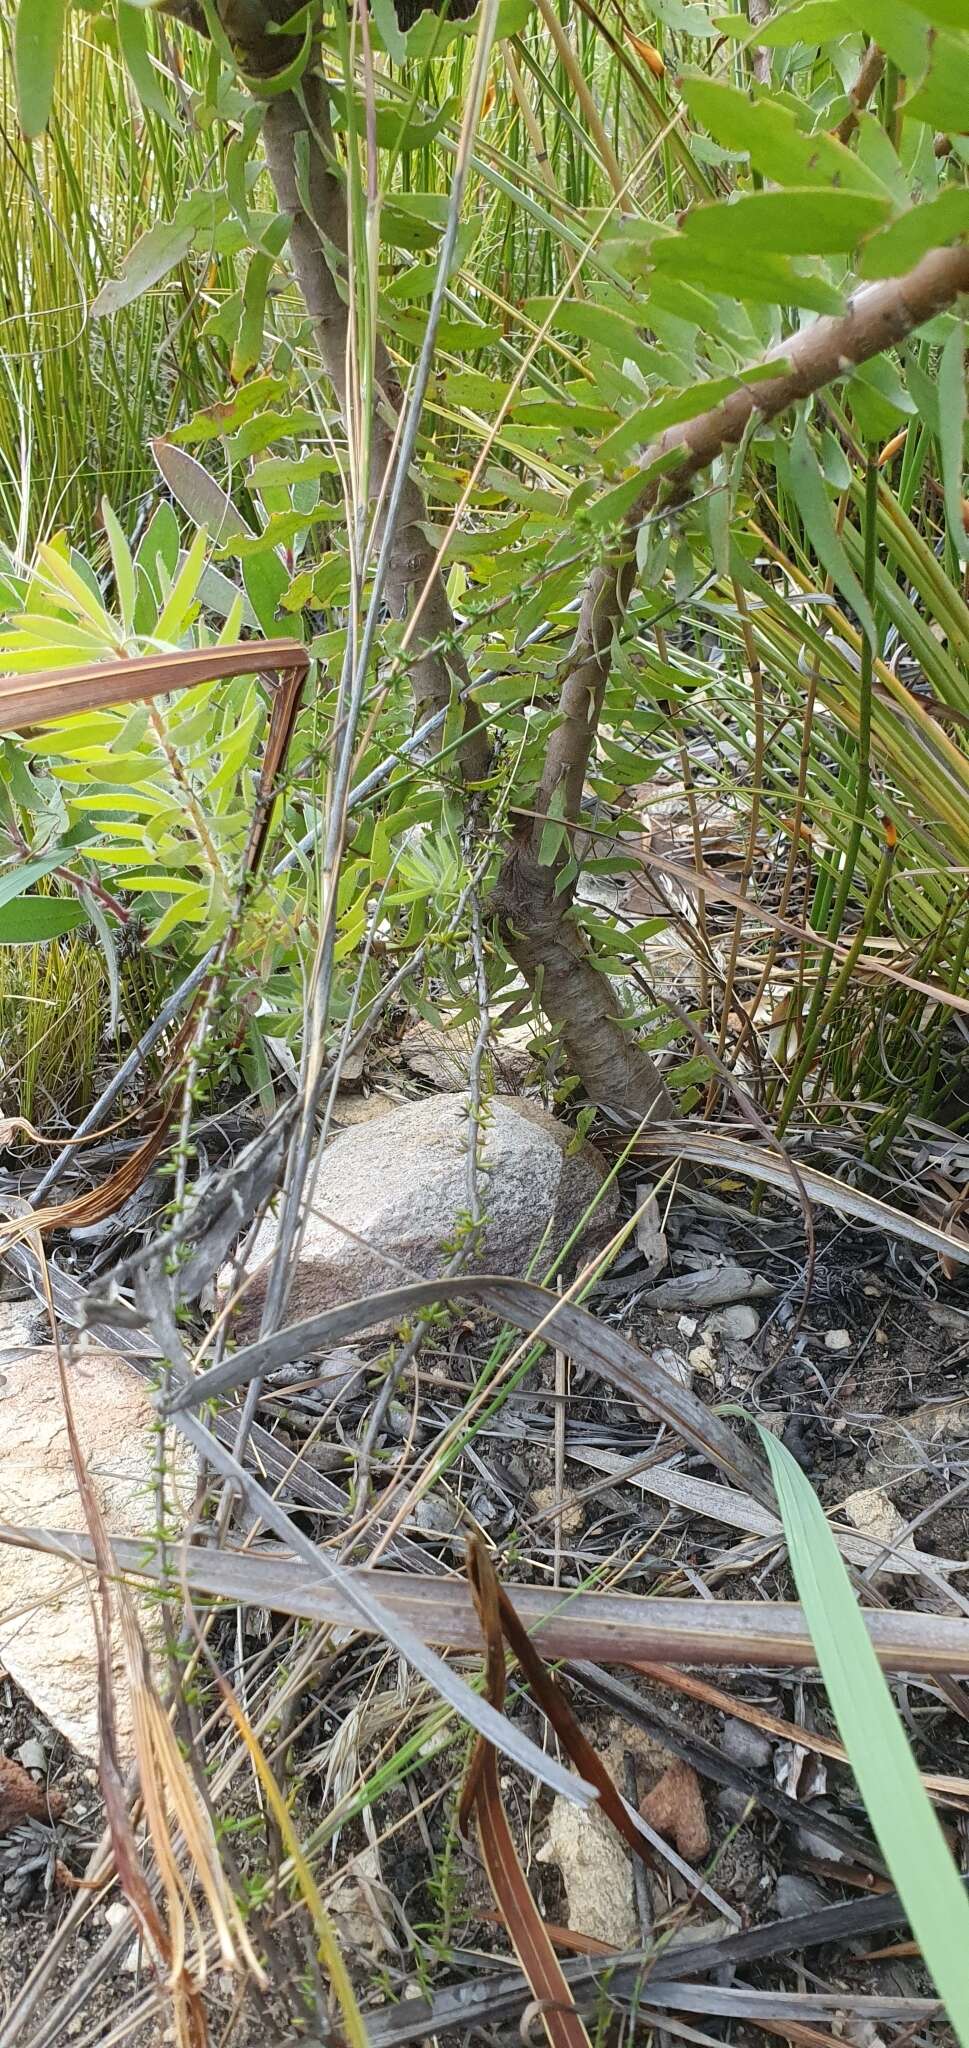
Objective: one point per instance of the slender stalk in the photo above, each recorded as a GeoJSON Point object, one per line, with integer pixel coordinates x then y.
{"type": "Point", "coordinates": [819, 1010]}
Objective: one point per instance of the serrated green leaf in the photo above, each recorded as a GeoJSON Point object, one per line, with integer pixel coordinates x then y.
{"type": "Point", "coordinates": [943, 96]}
{"type": "Point", "coordinates": [389, 31]}
{"type": "Point", "coordinates": [769, 132]}
{"type": "Point", "coordinates": [905, 1824]}
{"type": "Point", "coordinates": [37, 39]}
{"type": "Point", "coordinates": [808, 222]}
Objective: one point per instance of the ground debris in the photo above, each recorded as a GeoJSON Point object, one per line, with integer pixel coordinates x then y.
{"type": "Point", "coordinates": [22, 1799]}
{"type": "Point", "coordinates": [675, 1809]}
{"type": "Point", "coordinates": [596, 1871]}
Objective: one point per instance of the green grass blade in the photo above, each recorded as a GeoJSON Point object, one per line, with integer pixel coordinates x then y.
{"type": "Point", "coordinates": [898, 1808]}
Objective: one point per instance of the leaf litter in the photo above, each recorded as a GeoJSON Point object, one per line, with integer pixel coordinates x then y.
{"type": "Point", "coordinates": [661, 1539]}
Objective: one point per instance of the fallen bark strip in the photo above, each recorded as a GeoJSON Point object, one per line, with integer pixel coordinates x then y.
{"type": "Point", "coordinates": [614, 1628]}
{"type": "Point", "coordinates": [645, 1985]}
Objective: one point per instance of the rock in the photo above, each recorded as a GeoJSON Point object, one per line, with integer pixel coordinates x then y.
{"type": "Point", "coordinates": [596, 1871]}
{"type": "Point", "coordinates": [389, 1196]}
{"type": "Point", "coordinates": [436, 1517]}
{"type": "Point", "coordinates": [570, 1514]}
{"type": "Point", "coordinates": [675, 1809]}
{"type": "Point", "coordinates": [746, 1745]}
{"type": "Point", "coordinates": [443, 1055]}
{"type": "Point", "coordinates": [736, 1324]}
{"type": "Point", "coordinates": [872, 1513]}
{"type": "Point", "coordinates": [837, 1340]}
{"type": "Point", "coordinates": [794, 1894]}
{"type": "Point", "coordinates": [47, 1639]}
{"type": "Point", "coordinates": [32, 1755]}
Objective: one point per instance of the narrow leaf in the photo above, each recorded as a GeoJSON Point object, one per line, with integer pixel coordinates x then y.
{"type": "Point", "coordinates": [952, 424]}
{"type": "Point", "coordinates": [38, 35]}
{"type": "Point", "coordinates": [904, 1823]}
{"type": "Point", "coordinates": [808, 488]}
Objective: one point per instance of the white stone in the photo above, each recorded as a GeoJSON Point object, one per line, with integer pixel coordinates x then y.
{"type": "Point", "coordinates": [47, 1637]}
{"type": "Point", "coordinates": [838, 1340]}
{"type": "Point", "coordinates": [597, 1873]}
{"type": "Point", "coordinates": [389, 1195]}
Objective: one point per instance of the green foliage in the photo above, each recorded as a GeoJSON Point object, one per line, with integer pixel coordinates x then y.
{"type": "Point", "coordinates": [905, 1825]}
{"type": "Point", "coordinates": [741, 219]}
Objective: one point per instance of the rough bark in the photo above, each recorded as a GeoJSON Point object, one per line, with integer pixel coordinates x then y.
{"type": "Point", "coordinates": [538, 923]}
{"type": "Point", "coordinates": [759, 11]}
{"type": "Point", "coordinates": [297, 131]}
{"type": "Point", "coordinates": [872, 67]}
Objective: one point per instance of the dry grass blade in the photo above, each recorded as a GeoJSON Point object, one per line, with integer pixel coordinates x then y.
{"type": "Point", "coordinates": [532, 1309]}
{"type": "Point", "coordinates": [481, 1795]}
{"type": "Point", "coordinates": [616, 1628]}
{"type": "Point", "coordinates": [724, 1148]}
{"type": "Point", "coordinates": [554, 1704]}
{"type": "Point", "coordinates": [26, 700]}
{"type": "Point", "coordinates": [367, 1610]}
{"type": "Point", "coordinates": [172, 1807]}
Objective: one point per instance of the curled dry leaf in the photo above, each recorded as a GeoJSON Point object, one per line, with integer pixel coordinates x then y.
{"type": "Point", "coordinates": [675, 1809]}
{"type": "Point", "coordinates": [22, 1799]}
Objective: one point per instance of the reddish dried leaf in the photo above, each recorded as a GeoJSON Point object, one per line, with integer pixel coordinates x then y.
{"type": "Point", "coordinates": [22, 1799]}
{"type": "Point", "coordinates": [675, 1809]}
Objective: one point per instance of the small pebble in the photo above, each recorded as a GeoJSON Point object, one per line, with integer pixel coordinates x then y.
{"type": "Point", "coordinates": [737, 1323]}
{"type": "Point", "coordinates": [794, 1894]}
{"type": "Point", "coordinates": [687, 1326]}
{"type": "Point", "coordinates": [837, 1340]}
{"type": "Point", "coordinates": [33, 1755]}
{"type": "Point", "coordinates": [746, 1745]}
{"type": "Point", "coordinates": [732, 1803]}
{"type": "Point", "coordinates": [436, 1517]}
